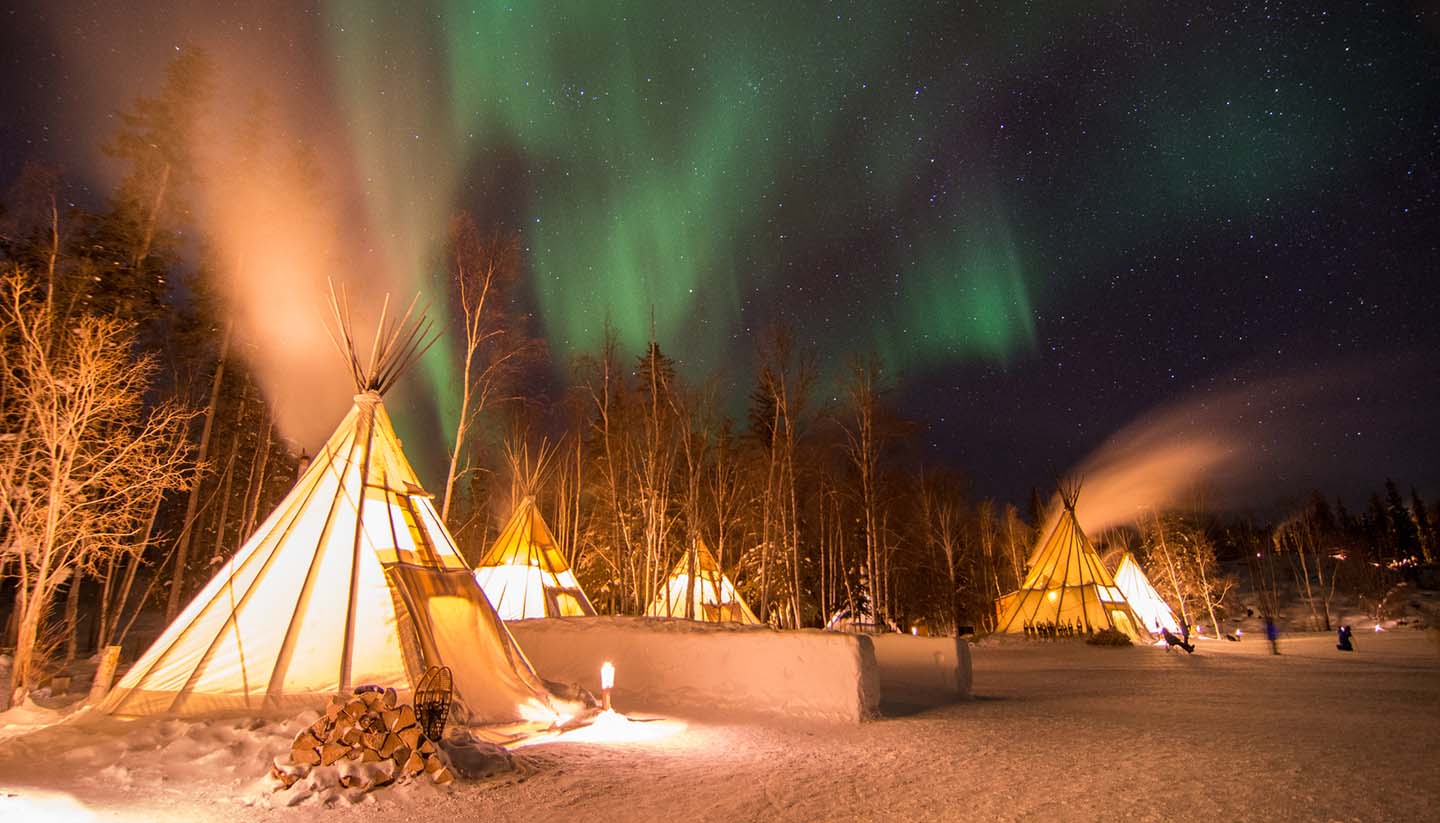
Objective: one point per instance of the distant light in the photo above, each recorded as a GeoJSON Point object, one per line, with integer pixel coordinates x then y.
{"type": "Point", "coordinates": [1053, 597]}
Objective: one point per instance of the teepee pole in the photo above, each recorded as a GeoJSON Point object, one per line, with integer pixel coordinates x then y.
{"type": "Point", "coordinates": [312, 572]}
{"type": "Point", "coordinates": [230, 621]}
{"type": "Point", "coordinates": [367, 414]}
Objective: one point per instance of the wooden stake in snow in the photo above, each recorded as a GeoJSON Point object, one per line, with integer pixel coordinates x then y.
{"type": "Point", "coordinates": [104, 675]}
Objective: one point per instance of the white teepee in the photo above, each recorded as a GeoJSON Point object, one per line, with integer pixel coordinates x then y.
{"type": "Point", "coordinates": [1154, 613]}
{"type": "Point", "coordinates": [351, 580]}
{"type": "Point", "coordinates": [698, 589]}
{"type": "Point", "coordinates": [1068, 584]}
{"type": "Point", "coordinates": [524, 574]}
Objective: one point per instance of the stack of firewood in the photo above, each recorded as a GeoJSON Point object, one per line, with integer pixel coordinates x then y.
{"type": "Point", "coordinates": [370, 740]}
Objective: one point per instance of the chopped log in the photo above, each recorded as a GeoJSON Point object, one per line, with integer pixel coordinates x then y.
{"type": "Point", "coordinates": [351, 736]}
{"type": "Point", "coordinates": [388, 746]}
{"type": "Point", "coordinates": [442, 776]}
{"type": "Point", "coordinates": [389, 699]}
{"type": "Point", "coordinates": [306, 740]}
{"type": "Point", "coordinates": [305, 757]}
{"type": "Point", "coordinates": [405, 718]}
{"type": "Point", "coordinates": [426, 747]}
{"type": "Point", "coordinates": [322, 728]}
{"type": "Point", "coordinates": [433, 764]}
{"type": "Point", "coordinates": [414, 764]}
{"type": "Point", "coordinates": [284, 778]}
{"type": "Point", "coordinates": [332, 752]}
{"type": "Point", "coordinates": [373, 740]}
{"type": "Point", "coordinates": [370, 756]}
{"type": "Point", "coordinates": [411, 736]}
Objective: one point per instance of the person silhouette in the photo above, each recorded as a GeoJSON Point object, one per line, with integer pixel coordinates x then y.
{"type": "Point", "coordinates": [1345, 643]}
{"type": "Point", "coordinates": [1272, 633]}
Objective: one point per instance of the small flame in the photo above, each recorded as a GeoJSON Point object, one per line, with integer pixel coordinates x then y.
{"type": "Point", "coordinates": [607, 675]}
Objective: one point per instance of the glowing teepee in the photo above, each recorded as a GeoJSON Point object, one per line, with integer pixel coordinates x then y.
{"type": "Point", "coordinates": [351, 580]}
{"type": "Point", "coordinates": [1067, 584]}
{"type": "Point", "coordinates": [524, 574]}
{"type": "Point", "coordinates": [698, 590]}
{"type": "Point", "coordinates": [1154, 613]}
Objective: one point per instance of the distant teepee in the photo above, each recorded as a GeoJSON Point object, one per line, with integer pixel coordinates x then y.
{"type": "Point", "coordinates": [1067, 584]}
{"type": "Point", "coordinates": [1154, 613]}
{"type": "Point", "coordinates": [697, 589]}
{"type": "Point", "coordinates": [352, 580]}
{"type": "Point", "coordinates": [524, 574]}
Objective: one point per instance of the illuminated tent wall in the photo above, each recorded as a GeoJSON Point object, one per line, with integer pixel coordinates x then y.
{"type": "Point", "coordinates": [524, 574]}
{"type": "Point", "coordinates": [1154, 613]}
{"type": "Point", "coordinates": [698, 590]}
{"type": "Point", "coordinates": [351, 580]}
{"type": "Point", "coordinates": [1068, 584]}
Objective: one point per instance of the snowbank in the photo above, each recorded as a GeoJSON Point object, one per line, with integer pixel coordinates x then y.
{"type": "Point", "coordinates": [709, 670]}
{"type": "Point", "coordinates": [922, 670]}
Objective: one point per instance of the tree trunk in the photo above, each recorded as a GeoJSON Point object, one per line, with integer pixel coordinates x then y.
{"type": "Point", "coordinates": [110, 637]}
{"type": "Point", "coordinates": [72, 616]}
{"type": "Point", "coordinates": [182, 550]}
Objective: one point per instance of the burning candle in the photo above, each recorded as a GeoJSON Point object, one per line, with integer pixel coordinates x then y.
{"type": "Point", "coordinates": [607, 682]}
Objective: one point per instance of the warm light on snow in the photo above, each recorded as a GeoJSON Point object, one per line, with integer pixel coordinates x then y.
{"type": "Point", "coordinates": [611, 727]}
{"type": "Point", "coordinates": [54, 807]}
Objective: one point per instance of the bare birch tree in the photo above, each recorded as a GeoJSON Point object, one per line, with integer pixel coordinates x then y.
{"type": "Point", "coordinates": [482, 272]}
{"type": "Point", "coordinates": [82, 478]}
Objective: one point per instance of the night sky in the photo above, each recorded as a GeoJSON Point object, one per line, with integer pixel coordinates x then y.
{"type": "Point", "coordinates": [1049, 219]}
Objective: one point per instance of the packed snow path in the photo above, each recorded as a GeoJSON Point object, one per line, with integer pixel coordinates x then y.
{"type": "Point", "coordinates": [1057, 731]}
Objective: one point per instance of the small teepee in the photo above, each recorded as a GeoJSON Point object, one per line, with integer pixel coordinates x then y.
{"type": "Point", "coordinates": [352, 580]}
{"type": "Point", "coordinates": [698, 590]}
{"type": "Point", "coordinates": [1154, 613]}
{"type": "Point", "coordinates": [524, 574]}
{"type": "Point", "coordinates": [1068, 584]}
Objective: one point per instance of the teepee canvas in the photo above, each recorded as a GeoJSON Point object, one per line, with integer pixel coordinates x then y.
{"type": "Point", "coordinates": [698, 590]}
{"type": "Point", "coordinates": [1067, 584]}
{"type": "Point", "coordinates": [1154, 613]}
{"type": "Point", "coordinates": [524, 574]}
{"type": "Point", "coordinates": [352, 580]}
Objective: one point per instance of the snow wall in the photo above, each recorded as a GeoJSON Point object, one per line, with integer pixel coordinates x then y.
{"type": "Point", "coordinates": [922, 670]}
{"type": "Point", "coordinates": [707, 670]}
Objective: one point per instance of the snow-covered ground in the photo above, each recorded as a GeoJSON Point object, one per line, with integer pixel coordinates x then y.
{"type": "Point", "coordinates": [1056, 730]}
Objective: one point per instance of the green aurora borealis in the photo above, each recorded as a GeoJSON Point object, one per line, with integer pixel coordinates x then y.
{"type": "Point", "coordinates": [1046, 219]}
{"type": "Point", "coordinates": [685, 163]}
{"type": "Point", "coordinates": [1007, 202]}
